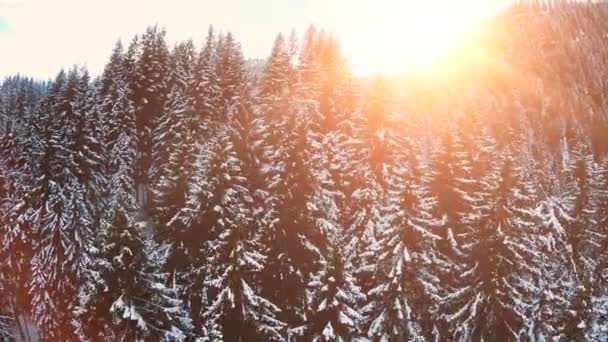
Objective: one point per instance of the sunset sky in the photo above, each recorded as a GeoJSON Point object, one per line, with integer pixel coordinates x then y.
{"type": "Point", "coordinates": [38, 37]}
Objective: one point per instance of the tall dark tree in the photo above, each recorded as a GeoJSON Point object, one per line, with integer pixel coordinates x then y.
{"type": "Point", "coordinates": [230, 70]}
{"type": "Point", "coordinates": [63, 216]}
{"type": "Point", "coordinates": [448, 184]}
{"type": "Point", "coordinates": [173, 139]}
{"type": "Point", "coordinates": [400, 299]}
{"type": "Point", "coordinates": [505, 258]}
{"type": "Point", "coordinates": [237, 257]}
{"type": "Point", "coordinates": [294, 239]}
{"type": "Point", "coordinates": [206, 88]}
{"type": "Point", "coordinates": [148, 77]}
{"type": "Point", "coordinates": [333, 298]}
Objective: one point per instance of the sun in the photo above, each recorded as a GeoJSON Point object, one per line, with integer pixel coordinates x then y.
{"type": "Point", "coordinates": [416, 33]}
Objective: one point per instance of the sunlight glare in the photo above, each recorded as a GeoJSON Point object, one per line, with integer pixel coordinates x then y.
{"type": "Point", "coordinates": [414, 34]}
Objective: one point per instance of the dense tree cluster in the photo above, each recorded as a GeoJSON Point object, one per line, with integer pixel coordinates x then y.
{"type": "Point", "coordinates": [189, 194]}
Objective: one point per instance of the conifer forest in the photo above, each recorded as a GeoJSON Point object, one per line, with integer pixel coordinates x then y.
{"type": "Point", "coordinates": [189, 193]}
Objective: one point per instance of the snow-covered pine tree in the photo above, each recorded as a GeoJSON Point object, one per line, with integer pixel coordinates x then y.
{"type": "Point", "coordinates": [21, 193]}
{"type": "Point", "coordinates": [18, 96]}
{"type": "Point", "coordinates": [559, 234]}
{"type": "Point", "coordinates": [333, 297]}
{"type": "Point", "coordinates": [3, 108]}
{"type": "Point", "coordinates": [368, 154]}
{"type": "Point", "coordinates": [90, 143]}
{"type": "Point", "coordinates": [274, 85]}
{"type": "Point", "coordinates": [331, 101]}
{"type": "Point", "coordinates": [293, 48]}
{"type": "Point", "coordinates": [397, 304]}
{"type": "Point", "coordinates": [502, 279]}
{"type": "Point", "coordinates": [118, 306]}
{"type": "Point", "coordinates": [450, 164]}
{"type": "Point", "coordinates": [237, 254]}
{"type": "Point", "coordinates": [148, 77]}
{"type": "Point", "coordinates": [293, 240]}
{"type": "Point", "coordinates": [321, 101]}
{"type": "Point", "coordinates": [275, 103]}
{"type": "Point", "coordinates": [306, 63]}
{"type": "Point", "coordinates": [230, 70]}
{"type": "Point", "coordinates": [196, 223]}
{"type": "Point", "coordinates": [206, 88]}
{"type": "Point", "coordinates": [113, 70]}
{"type": "Point", "coordinates": [596, 323]}
{"type": "Point", "coordinates": [124, 296]}
{"type": "Point", "coordinates": [140, 304]}
{"type": "Point", "coordinates": [61, 214]}
{"type": "Point", "coordinates": [17, 239]}
{"type": "Point", "coordinates": [448, 184]}
{"type": "Point", "coordinates": [400, 304]}
{"type": "Point", "coordinates": [584, 235]}
{"type": "Point", "coordinates": [173, 155]}
{"type": "Point", "coordinates": [173, 140]}
{"type": "Point", "coordinates": [118, 122]}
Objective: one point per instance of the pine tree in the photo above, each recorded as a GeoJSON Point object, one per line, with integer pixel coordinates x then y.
{"type": "Point", "coordinates": [195, 224]}
{"type": "Point", "coordinates": [559, 280]}
{"type": "Point", "coordinates": [325, 100]}
{"type": "Point", "coordinates": [17, 236]}
{"type": "Point", "coordinates": [230, 71]}
{"type": "Point", "coordinates": [20, 195]}
{"type": "Point", "coordinates": [139, 303]}
{"type": "Point", "coordinates": [400, 299]}
{"type": "Point", "coordinates": [448, 184]}
{"type": "Point", "coordinates": [504, 254]}
{"type": "Point", "coordinates": [308, 68]}
{"type": "Point", "coordinates": [63, 217]}
{"type": "Point", "coordinates": [581, 238]}
{"type": "Point", "coordinates": [368, 156]}
{"type": "Point", "coordinates": [597, 305]}
{"type": "Point", "coordinates": [275, 79]}
{"type": "Point", "coordinates": [124, 296]}
{"type": "Point", "coordinates": [333, 298]}
{"type": "Point", "coordinates": [173, 140]}
{"type": "Point", "coordinates": [148, 77]}
{"type": "Point", "coordinates": [206, 88]}
{"type": "Point", "coordinates": [120, 141]}
{"type": "Point", "coordinates": [237, 257]}
{"type": "Point", "coordinates": [113, 70]}
{"type": "Point", "coordinates": [294, 240]}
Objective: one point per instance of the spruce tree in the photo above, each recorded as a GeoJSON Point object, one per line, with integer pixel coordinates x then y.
{"type": "Point", "coordinates": [238, 258]}
{"type": "Point", "coordinates": [173, 140]}
{"type": "Point", "coordinates": [17, 235]}
{"type": "Point", "coordinates": [295, 243]}
{"type": "Point", "coordinates": [125, 294]}
{"type": "Point", "coordinates": [64, 217]}
{"type": "Point", "coordinates": [148, 76]}
{"type": "Point", "coordinates": [333, 298]}
{"type": "Point", "coordinates": [365, 173]}
{"type": "Point", "coordinates": [120, 139]}
{"type": "Point", "coordinates": [230, 71]}
{"type": "Point", "coordinates": [504, 270]}
{"type": "Point", "coordinates": [448, 185]}
{"type": "Point", "coordinates": [295, 237]}
{"type": "Point", "coordinates": [400, 299]}
{"type": "Point", "coordinates": [582, 240]}
{"type": "Point", "coordinates": [206, 88]}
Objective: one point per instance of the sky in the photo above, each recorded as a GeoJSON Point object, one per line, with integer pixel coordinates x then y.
{"type": "Point", "coordinates": [39, 37]}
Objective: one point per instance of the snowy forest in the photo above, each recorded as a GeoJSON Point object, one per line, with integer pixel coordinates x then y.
{"type": "Point", "coordinates": [188, 193]}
